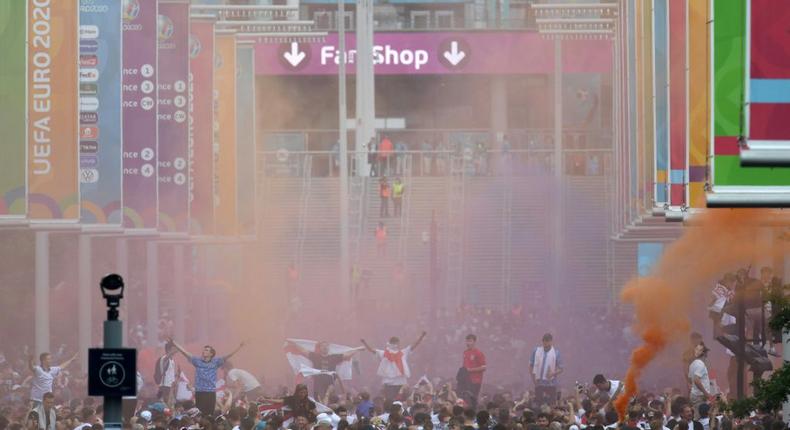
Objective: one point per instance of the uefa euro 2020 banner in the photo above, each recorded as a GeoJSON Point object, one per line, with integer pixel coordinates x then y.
{"type": "Point", "coordinates": [140, 146]}
{"type": "Point", "coordinates": [173, 35]}
{"type": "Point", "coordinates": [100, 111]}
{"type": "Point", "coordinates": [53, 184]}
{"type": "Point", "coordinates": [12, 112]}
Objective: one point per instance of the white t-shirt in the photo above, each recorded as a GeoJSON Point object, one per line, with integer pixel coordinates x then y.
{"type": "Point", "coordinates": [42, 381]}
{"type": "Point", "coordinates": [169, 375]}
{"type": "Point", "coordinates": [613, 386]}
{"type": "Point", "coordinates": [183, 392]}
{"type": "Point", "coordinates": [248, 381]}
{"type": "Point", "coordinates": [698, 369]}
{"type": "Point", "coordinates": [390, 372]}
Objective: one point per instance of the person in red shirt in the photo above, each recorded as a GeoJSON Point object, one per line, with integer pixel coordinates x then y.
{"type": "Point", "coordinates": [475, 365]}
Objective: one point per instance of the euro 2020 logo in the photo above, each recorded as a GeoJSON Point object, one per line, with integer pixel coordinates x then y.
{"type": "Point", "coordinates": [164, 27]}
{"type": "Point", "coordinates": [131, 9]}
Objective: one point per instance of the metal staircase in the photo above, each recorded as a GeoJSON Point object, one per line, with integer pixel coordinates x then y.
{"type": "Point", "coordinates": [455, 230]}
{"type": "Point", "coordinates": [304, 207]}
{"type": "Point", "coordinates": [405, 218]}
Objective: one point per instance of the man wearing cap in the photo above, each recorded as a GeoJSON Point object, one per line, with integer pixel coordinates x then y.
{"type": "Point", "coordinates": [698, 377]}
{"type": "Point", "coordinates": [394, 366]}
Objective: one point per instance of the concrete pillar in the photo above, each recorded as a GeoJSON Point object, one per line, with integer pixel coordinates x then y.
{"type": "Point", "coordinates": [122, 268]}
{"type": "Point", "coordinates": [498, 108]}
{"type": "Point", "coordinates": [179, 292]}
{"type": "Point", "coordinates": [84, 301]}
{"type": "Point", "coordinates": [152, 293]}
{"type": "Point", "coordinates": [41, 301]}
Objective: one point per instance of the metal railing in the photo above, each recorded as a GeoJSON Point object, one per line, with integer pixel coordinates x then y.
{"type": "Point", "coordinates": [538, 162]}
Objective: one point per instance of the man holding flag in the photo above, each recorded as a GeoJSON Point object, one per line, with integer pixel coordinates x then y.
{"type": "Point", "coordinates": [323, 361]}
{"type": "Point", "coordinates": [394, 366]}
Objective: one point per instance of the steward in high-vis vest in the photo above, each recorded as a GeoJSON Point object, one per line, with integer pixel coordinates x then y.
{"type": "Point", "coordinates": [397, 195]}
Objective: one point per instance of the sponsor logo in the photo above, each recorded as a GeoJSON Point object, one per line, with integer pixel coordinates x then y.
{"type": "Point", "coordinates": [88, 61]}
{"type": "Point", "coordinates": [89, 46]}
{"type": "Point", "coordinates": [90, 132]}
{"type": "Point", "coordinates": [89, 75]}
{"type": "Point", "coordinates": [89, 176]}
{"type": "Point", "coordinates": [89, 147]}
{"type": "Point", "coordinates": [131, 10]}
{"type": "Point", "coordinates": [89, 117]}
{"type": "Point", "coordinates": [89, 32]}
{"type": "Point", "coordinates": [164, 28]}
{"type": "Point", "coordinates": [194, 46]}
{"type": "Point", "coordinates": [89, 89]}
{"type": "Point", "coordinates": [89, 160]}
{"type": "Point", "coordinates": [89, 104]}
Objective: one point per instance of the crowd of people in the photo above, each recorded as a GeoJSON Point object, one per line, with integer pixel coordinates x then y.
{"type": "Point", "coordinates": [477, 369]}
{"type": "Point", "coordinates": [224, 398]}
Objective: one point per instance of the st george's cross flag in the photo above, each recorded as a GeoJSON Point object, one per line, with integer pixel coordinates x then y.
{"type": "Point", "coordinates": [302, 365]}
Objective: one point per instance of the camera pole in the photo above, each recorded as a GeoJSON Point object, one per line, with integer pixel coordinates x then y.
{"type": "Point", "coordinates": [113, 338]}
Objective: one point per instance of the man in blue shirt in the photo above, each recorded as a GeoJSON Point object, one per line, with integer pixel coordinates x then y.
{"type": "Point", "coordinates": [206, 375]}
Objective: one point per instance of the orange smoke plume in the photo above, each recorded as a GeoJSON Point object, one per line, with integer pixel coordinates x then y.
{"type": "Point", "coordinates": [720, 241]}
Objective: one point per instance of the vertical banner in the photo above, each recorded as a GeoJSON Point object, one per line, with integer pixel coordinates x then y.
{"type": "Point", "coordinates": [699, 100]}
{"type": "Point", "coordinates": [53, 183]}
{"type": "Point", "coordinates": [647, 117]}
{"type": "Point", "coordinates": [100, 111]}
{"type": "Point", "coordinates": [729, 76]}
{"type": "Point", "coordinates": [661, 97]}
{"type": "Point", "coordinates": [677, 102]}
{"type": "Point", "coordinates": [201, 121]}
{"type": "Point", "coordinates": [225, 124]}
{"type": "Point", "coordinates": [769, 83]}
{"type": "Point", "coordinates": [630, 36]}
{"type": "Point", "coordinates": [648, 97]}
{"type": "Point", "coordinates": [140, 202]}
{"type": "Point", "coordinates": [173, 35]}
{"type": "Point", "coordinates": [245, 138]}
{"type": "Point", "coordinates": [13, 100]}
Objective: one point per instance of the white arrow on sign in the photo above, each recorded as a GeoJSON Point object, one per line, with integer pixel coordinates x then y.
{"type": "Point", "coordinates": [295, 56]}
{"type": "Point", "coordinates": [454, 56]}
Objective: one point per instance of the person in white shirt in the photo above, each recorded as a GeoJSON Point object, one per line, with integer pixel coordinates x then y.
{"type": "Point", "coordinates": [394, 366]}
{"type": "Point", "coordinates": [246, 381]}
{"type": "Point", "coordinates": [609, 387]}
{"type": "Point", "coordinates": [165, 374]}
{"type": "Point", "coordinates": [47, 416]}
{"type": "Point", "coordinates": [698, 377]}
{"type": "Point", "coordinates": [43, 376]}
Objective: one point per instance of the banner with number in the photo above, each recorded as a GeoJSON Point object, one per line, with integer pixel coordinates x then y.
{"type": "Point", "coordinates": [13, 51]}
{"type": "Point", "coordinates": [245, 138]}
{"type": "Point", "coordinates": [53, 183]}
{"type": "Point", "coordinates": [173, 35]}
{"type": "Point", "coordinates": [140, 187]}
{"type": "Point", "coordinates": [100, 112]}
{"type": "Point", "coordinates": [225, 124]}
{"type": "Point", "coordinates": [201, 121]}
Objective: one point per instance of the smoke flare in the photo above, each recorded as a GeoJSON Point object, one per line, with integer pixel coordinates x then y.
{"type": "Point", "coordinates": [721, 240]}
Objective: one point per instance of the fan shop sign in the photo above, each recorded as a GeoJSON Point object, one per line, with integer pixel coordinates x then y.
{"type": "Point", "coordinates": [432, 53]}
